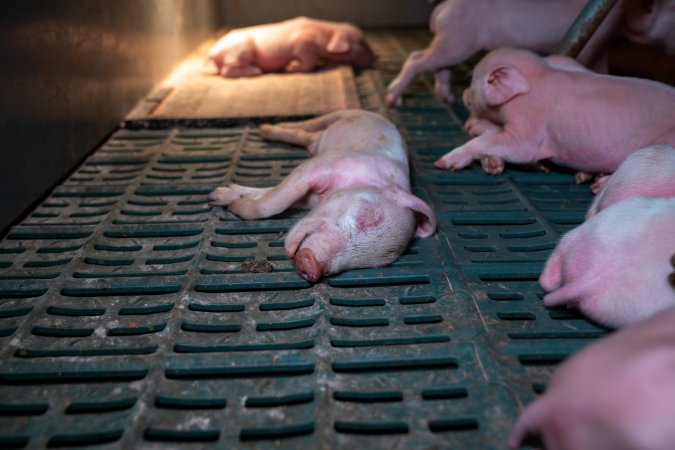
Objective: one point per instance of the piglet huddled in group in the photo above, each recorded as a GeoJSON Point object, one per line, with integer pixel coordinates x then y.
{"type": "Point", "coordinates": [357, 183]}
{"type": "Point", "coordinates": [649, 172]}
{"type": "Point", "coordinates": [464, 27]}
{"type": "Point", "coordinates": [618, 394]}
{"type": "Point", "coordinates": [536, 109]}
{"type": "Point", "coordinates": [295, 45]}
{"type": "Point", "coordinates": [615, 266]}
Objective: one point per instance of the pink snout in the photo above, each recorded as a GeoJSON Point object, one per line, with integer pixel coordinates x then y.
{"type": "Point", "coordinates": [307, 266]}
{"type": "Point", "coordinates": [212, 197]}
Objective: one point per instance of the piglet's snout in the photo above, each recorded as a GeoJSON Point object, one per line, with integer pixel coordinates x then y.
{"type": "Point", "coordinates": [307, 265]}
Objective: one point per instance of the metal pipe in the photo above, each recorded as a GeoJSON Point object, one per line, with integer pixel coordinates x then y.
{"type": "Point", "coordinates": [588, 20]}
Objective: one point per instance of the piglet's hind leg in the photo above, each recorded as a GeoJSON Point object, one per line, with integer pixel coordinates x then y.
{"type": "Point", "coordinates": [305, 133]}
{"type": "Point", "coordinates": [442, 83]}
{"type": "Point", "coordinates": [238, 71]}
{"type": "Point", "coordinates": [318, 123]}
{"type": "Point", "coordinates": [292, 136]}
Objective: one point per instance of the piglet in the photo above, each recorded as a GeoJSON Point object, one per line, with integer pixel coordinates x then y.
{"type": "Point", "coordinates": [615, 266]}
{"type": "Point", "coordinates": [358, 185]}
{"type": "Point", "coordinates": [554, 109]}
{"type": "Point", "coordinates": [650, 22]}
{"type": "Point", "coordinates": [618, 393]}
{"type": "Point", "coordinates": [647, 172]}
{"type": "Point", "coordinates": [464, 27]}
{"type": "Point", "coordinates": [295, 45]}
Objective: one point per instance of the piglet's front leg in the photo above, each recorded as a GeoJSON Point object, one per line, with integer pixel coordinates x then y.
{"type": "Point", "coordinates": [458, 158]}
{"type": "Point", "coordinates": [492, 149]}
{"type": "Point", "coordinates": [475, 126]}
{"type": "Point", "coordinates": [464, 155]}
{"type": "Point", "coordinates": [291, 134]}
{"type": "Point", "coordinates": [243, 201]}
{"type": "Point", "coordinates": [258, 203]}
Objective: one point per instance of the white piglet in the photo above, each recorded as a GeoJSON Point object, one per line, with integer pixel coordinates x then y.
{"type": "Point", "coordinates": [615, 266]}
{"type": "Point", "coordinates": [649, 172]}
{"type": "Point", "coordinates": [536, 109]}
{"type": "Point", "coordinates": [357, 183]}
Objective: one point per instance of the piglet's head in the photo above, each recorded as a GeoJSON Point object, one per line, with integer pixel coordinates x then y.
{"type": "Point", "coordinates": [357, 227]}
{"type": "Point", "coordinates": [495, 82]}
{"type": "Point", "coordinates": [347, 45]}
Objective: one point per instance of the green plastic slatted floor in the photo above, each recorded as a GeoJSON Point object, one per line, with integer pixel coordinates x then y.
{"type": "Point", "coordinates": [127, 320]}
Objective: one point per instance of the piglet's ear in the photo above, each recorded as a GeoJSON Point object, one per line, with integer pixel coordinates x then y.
{"type": "Point", "coordinates": [338, 43]}
{"type": "Point", "coordinates": [503, 83]}
{"type": "Point", "coordinates": [426, 219]}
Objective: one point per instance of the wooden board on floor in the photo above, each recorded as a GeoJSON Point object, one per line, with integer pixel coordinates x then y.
{"type": "Point", "coordinates": [194, 90]}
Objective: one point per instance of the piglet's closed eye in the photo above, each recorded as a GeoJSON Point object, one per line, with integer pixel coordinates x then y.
{"type": "Point", "coordinates": [426, 219]}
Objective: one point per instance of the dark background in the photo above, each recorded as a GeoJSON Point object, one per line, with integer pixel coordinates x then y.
{"type": "Point", "coordinates": [70, 71]}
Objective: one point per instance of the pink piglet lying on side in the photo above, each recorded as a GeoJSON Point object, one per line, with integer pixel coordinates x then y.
{"type": "Point", "coordinates": [357, 183]}
{"type": "Point", "coordinates": [616, 394]}
{"type": "Point", "coordinates": [295, 45]}
{"type": "Point", "coordinates": [615, 266]}
{"type": "Point", "coordinates": [554, 109]}
{"type": "Point", "coordinates": [649, 172]}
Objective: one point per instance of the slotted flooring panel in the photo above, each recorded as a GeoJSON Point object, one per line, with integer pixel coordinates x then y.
{"type": "Point", "coordinates": [128, 318]}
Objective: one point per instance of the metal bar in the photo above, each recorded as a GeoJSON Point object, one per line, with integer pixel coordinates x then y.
{"type": "Point", "coordinates": [588, 20]}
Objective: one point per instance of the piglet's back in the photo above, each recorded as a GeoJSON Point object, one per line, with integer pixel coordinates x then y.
{"type": "Point", "coordinates": [627, 112]}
